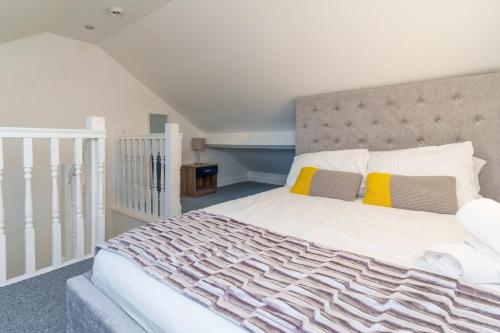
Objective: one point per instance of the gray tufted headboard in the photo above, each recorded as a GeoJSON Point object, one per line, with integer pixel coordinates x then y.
{"type": "Point", "coordinates": [408, 115]}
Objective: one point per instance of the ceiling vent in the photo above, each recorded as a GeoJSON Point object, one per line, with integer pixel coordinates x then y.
{"type": "Point", "coordinates": [116, 12]}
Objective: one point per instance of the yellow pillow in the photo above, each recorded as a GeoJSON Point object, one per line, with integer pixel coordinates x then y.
{"type": "Point", "coordinates": [304, 179]}
{"type": "Point", "coordinates": [378, 189]}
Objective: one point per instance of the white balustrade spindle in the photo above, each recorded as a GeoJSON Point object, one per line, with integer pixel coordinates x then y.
{"type": "Point", "coordinates": [78, 161]}
{"type": "Point", "coordinates": [56, 225]}
{"type": "Point", "coordinates": [29, 230]}
{"type": "Point", "coordinates": [135, 174]}
{"type": "Point", "coordinates": [123, 187]}
{"type": "Point", "coordinates": [154, 149]}
{"type": "Point", "coordinates": [130, 191]}
{"type": "Point", "coordinates": [142, 206]}
{"type": "Point", "coordinates": [149, 182]}
{"type": "Point", "coordinates": [162, 178]}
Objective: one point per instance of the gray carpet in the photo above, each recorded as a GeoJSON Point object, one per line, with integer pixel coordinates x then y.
{"type": "Point", "coordinates": [225, 193]}
{"type": "Point", "coordinates": [38, 304]}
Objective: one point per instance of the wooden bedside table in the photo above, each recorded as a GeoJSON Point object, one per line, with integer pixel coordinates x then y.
{"type": "Point", "coordinates": [198, 179]}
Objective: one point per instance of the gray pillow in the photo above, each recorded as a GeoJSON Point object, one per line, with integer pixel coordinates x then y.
{"type": "Point", "coordinates": [335, 184]}
{"type": "Point", "coordinates": [436, 194]}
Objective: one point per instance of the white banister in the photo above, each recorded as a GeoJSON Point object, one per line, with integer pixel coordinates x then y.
{"type": "Point", "coordinates": [29, 231]}
{"type": "Point", "coordinates": [94, 134]}
{"type": "Point", "coordinates": [3, 247]}
{"type": "Point", "coordinates": [78, 161]}
{"type": "Point", "coordinates": [157, 174]}
{"type": "Point", "coordinates": [56, 225]}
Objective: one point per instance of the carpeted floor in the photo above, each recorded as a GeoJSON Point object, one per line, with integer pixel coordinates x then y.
{"type": "Point", "coordinates": [38, 305]}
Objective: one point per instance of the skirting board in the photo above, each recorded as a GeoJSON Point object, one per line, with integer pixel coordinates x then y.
{"type": "Point", "coordinates": [251, 176]}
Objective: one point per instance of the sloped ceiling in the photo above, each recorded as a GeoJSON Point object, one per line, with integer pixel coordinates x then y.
{"type": "Point", "coordinates": [22, 18]}
{"type": "Point", "coordinates": [237, 65]}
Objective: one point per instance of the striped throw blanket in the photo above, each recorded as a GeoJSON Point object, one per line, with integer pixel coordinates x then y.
{"type": "Point", "coordinates": [268, 282]}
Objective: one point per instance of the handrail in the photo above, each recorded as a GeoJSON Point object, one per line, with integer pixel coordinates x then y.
{"type": "Point", "coordinates": [144, 136]}
{"type": "Point", "coordinates": [47, 133]}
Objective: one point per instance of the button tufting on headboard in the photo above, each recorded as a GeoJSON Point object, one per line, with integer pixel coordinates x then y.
{"type": "Point", "coordinates": [427, 113]}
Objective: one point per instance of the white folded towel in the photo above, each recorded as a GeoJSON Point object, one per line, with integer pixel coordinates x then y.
{"type": "Point", "coordinates": [481, 218]}
{"type": "Point", "coordinates": [462, 261]}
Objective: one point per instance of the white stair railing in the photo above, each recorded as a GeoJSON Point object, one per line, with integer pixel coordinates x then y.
{"type": "Point", "coordinates": [95, 133]}
{"type": "Point", "coordinates": [149, 167]}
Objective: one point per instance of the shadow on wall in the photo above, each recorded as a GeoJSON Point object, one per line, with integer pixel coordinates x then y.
{"type": "Point", "coordinates": [275, 161]}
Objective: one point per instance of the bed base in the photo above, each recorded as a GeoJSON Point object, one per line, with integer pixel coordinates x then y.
{"type": "Point", "coordinates": [88, 310]}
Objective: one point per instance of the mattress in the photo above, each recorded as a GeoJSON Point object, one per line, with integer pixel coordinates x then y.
{"type": "Point", "coordinates": [394, 235]}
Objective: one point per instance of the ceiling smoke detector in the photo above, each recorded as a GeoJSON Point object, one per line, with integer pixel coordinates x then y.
{"type": "Point", "coordinates": [116, 12]}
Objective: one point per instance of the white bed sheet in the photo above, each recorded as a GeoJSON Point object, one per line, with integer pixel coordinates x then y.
{"type": "Point", "coordinates": [394, 235]}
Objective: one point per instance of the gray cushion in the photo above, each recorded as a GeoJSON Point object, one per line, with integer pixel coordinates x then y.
{"type": "Point", "coordinates": [436, 194]}
{"type": "Point", "coordinates": [335, 184]}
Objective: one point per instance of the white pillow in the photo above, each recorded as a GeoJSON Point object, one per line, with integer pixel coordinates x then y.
{"type": "Point", "coordinates": [448, 160]}
{"type": "Point", "coordinates": [352, 160]}
{"type": "Point", "coordinates": [481, 218]}
{"type": "Point", "coordinates": [477, 165]}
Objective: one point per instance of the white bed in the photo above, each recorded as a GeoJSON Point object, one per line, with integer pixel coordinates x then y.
{"type": "Point", "coordinates": [394, 235]}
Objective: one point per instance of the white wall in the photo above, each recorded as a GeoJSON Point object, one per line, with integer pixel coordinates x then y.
{"type": "Point", "coordinates": [51, 81]}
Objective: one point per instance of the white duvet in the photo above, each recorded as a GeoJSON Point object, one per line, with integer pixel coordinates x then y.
{"type": "Point", "coordinates": [394, 235]}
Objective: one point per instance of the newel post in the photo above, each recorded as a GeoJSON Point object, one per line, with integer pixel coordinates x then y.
{"type": "Point", "coordinates": [172, 170]}
{"type": "Point", "coordinates": [97, 181]}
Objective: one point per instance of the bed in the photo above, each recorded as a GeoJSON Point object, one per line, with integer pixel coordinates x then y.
{"type": "Point", "coordinates": [120, 297]}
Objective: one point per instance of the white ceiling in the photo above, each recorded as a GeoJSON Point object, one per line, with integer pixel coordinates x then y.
{"type": "Point", "coordinates": [237, 65]}
{"type": "Point", "coordinates": [21, 18]}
